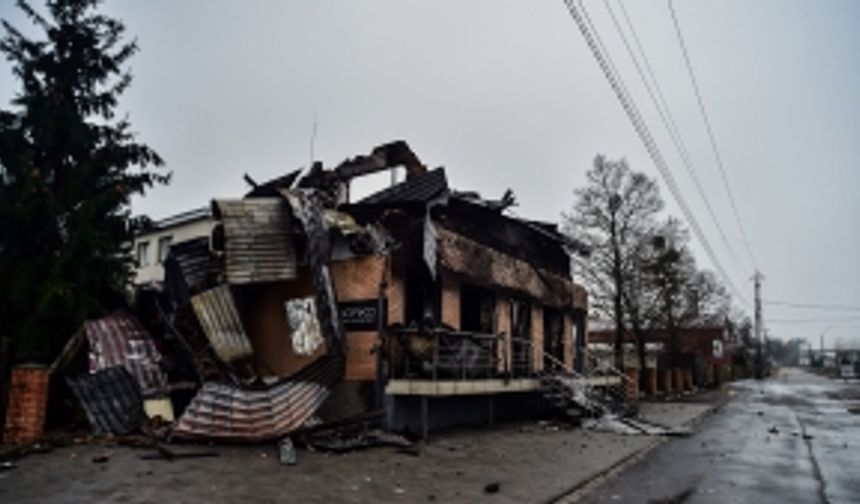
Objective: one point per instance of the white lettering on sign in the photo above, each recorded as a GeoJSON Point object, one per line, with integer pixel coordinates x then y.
{"type": "Point", "coordinates": [362, 313]}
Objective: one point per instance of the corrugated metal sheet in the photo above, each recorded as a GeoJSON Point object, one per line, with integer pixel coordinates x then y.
{"type": "Point", "coordinates": [120, 340]}
{"type": "Point", "coordinates": [258, 242]}
{"type": "Point", "coordinates": [417, 189]}
{"type": "Point", "coordinates": [216, 311]}
{"type": "Point", "coordinates": [111, 399]}
{"type": "Point", "coordinates": [190, 267]}
{"type": "Point", "coordinates": [221, 411]}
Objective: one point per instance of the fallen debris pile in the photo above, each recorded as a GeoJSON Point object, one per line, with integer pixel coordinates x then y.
{"type": "Point", "coordinates": [248, 338]}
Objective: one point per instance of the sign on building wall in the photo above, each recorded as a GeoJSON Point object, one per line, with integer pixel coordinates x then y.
{"type": "Point", "coordinates": [718, 349]}
{"type": "Point", "coordinates": [362, 315]}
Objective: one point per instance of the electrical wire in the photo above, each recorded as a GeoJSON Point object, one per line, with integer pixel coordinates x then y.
{"type": "Point", "coordinates": [668, 120]}
{"type": "Point", "coordinates": [834, 307]}
{"type": "Point", "coordinates": [592, 39]}
{"type": "Point", "coordinates": [711, 136]}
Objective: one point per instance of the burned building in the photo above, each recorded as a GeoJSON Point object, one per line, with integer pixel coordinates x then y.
{"type": "Point", "coordinates": [432, 305]}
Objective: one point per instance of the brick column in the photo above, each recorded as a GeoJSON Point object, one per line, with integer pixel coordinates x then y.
{"type": "Point", "coordinates": [651, 381]}
{"type": "Point", "coordinates": [537, 337]}
{"type": "Point", "coordinates": [503, 325]}
{"type": "Point", "coordinates": [678, 379]}
{"type": "Point", "coordinates": [632, 385]}
{"type": "Point", "coordinates": [688, 379]}
{"type": "Point", "coordinates": [666, 383]}
{"type": "Point", "coordinates": [451, 301]}
{"type": "Point", "coordinates": [25, 411]}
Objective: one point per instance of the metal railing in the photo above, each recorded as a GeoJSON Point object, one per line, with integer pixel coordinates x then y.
{"type": "Point", "coordinates": [444, 354]}
{"type": "Point", "coordinates": [441, 354]}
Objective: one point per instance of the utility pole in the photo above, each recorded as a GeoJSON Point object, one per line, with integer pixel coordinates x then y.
{"type": "Point", "coordinates": [759, 358]}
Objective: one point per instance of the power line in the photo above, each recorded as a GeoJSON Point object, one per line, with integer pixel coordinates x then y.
{"type": "Point", "coordinates": [586, 27]}
{"type": "Point", "coordinates": [628, 103]}
{"type": "Point", "coordinates": [667, 119]}
{"type": "Point", "coordinates": [813, 320]}
{"type": "Point", "coordinates": [711, 135]}
{"type": "Point", "coordinates": [834, 307]}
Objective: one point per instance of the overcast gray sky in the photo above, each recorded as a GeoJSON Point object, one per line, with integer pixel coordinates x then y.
{"type": "Point", "coordinates": [506, 94]}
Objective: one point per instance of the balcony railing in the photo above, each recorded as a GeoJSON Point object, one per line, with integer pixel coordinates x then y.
{"type": "Point", "coordinates": [441, 354]}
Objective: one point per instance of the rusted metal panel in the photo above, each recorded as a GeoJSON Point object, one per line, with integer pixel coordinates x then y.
{"type": "Point", "coordinates": [258, 242]}
{"type": "Point", "coordinates": [190, 267]}
{"type": "Point", "coordinates": [111, 399]}
{"type": "Point", "coordinates": [221, 411]}
{"type": "Point", "coordinates": [216, 311]}
{"type": "Point", "coordinates": [120, 340]}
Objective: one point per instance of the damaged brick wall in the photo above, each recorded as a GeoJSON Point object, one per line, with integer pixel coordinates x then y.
{"type": "Point", "coordinates": [28, 398]}
{"type": "Point", "coordinates": [450, 301]}
{"type": "Point", "coordinates": [358, 279]}
{"type": "Point", "coordinates": [493, 269]}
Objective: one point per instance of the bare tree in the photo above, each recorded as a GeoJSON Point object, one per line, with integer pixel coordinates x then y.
{"type": "Point", "coordinates": [612, 214]}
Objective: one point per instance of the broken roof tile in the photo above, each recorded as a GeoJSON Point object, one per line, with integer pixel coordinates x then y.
{"type": "Point", "coordinates": [420, 188]}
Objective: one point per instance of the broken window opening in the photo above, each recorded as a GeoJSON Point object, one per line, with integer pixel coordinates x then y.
{"type": "Point", "coordinates": [553, 333]}
{"type": "Point", "coordinates": [477, 309]}
{"type": "Point", "coordinates": [423, 297]}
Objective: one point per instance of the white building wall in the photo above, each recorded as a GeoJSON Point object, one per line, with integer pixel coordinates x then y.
{"type": "Point", "coordinates": [153, 270]}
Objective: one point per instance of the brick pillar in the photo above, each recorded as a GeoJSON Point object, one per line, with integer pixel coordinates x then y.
{"type": "Point", "coordinates": [503, 325]}
{"type": "Point", "coordinates": [396, 301]}
{"type": "Point", "coordinates": [537, 337]}
{"type": "Point", "coordinates": [678, 380]}
{"type": "Point", "coordinates": [25, 411]}
{"type": "Point", "coordinates": [451, 301]}
{"type": "Point", "coordinates": [632, 385]}
{"type": "Point", "coordinates": [651, 381]}
{"type": "Point", "coordinates": [666, 383]}
{"type": "Point", "coordinates": [688, 379]}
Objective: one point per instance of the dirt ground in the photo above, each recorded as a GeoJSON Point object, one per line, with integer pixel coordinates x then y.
{"type": "Point", "coordinates": [529, 462]}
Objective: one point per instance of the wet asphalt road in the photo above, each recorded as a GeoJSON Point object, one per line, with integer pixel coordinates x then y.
{"type": "Point", "coordinates": [788, 439]}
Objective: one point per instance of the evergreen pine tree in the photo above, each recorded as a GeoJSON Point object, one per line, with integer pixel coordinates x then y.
{"type": "Point", "coordinates": [68, 168]}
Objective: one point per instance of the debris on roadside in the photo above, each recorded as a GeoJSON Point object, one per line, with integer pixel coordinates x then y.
{"type": "Point", "coordinates": [492, 488]}
{"type": "Point", "coordinates": [287, 452]}
{"type": "Point", "coordinates": [634, 426]}
{"type": "Point", "coordinates": [165, 453]}
{"type": "Point", "coordinates": [358, 441]}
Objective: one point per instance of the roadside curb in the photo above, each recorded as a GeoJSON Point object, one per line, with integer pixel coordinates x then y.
{"type": "Point", "coordinates": [586, 486]}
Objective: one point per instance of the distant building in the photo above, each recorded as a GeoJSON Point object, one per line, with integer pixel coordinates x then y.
{"type": "Point", "coordinates": [152, 246]}
{"type": "Point", "coordinates": [704, 352]}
